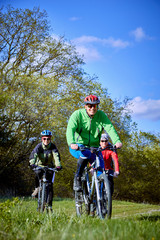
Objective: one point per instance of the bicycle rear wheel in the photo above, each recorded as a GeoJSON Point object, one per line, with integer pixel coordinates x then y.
{"type": "Point", "coordinates": [39, 196]}
{"type": "Point", "coordinates": [82, 201]}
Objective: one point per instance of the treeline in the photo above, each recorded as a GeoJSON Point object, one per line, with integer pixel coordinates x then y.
{"type": "Point", "coordinates": [42, 83]}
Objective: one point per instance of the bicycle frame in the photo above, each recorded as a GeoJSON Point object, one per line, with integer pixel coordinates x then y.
{"type": "Point", "coordinates": [94, 187]}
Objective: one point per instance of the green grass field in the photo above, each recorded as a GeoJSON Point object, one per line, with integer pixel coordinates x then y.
{"type": "Point", "coordinates": [130, 221]}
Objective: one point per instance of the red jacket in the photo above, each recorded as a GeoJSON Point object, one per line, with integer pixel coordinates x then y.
{"type": "Point", "coordinates": [108, 156]}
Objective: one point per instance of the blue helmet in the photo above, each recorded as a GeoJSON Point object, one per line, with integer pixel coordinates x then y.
{"type": "Point", "coordinates": [46, 133]}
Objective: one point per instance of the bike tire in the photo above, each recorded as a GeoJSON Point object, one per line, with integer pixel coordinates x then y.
{"type": "Point", "coordinates": [82, 201]}
{"type": "Point", "coordinates": [99, 200]}
{"type": "Point", "coordinates": [39, 196]}
{"type": "Point", "coordinates": [44, 197]}
{"type": "Point", "coordinates": [106, 197]}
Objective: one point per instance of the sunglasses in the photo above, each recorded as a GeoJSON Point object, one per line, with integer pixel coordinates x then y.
{"type": "Point", "coordinates": [104, 140]}
{"type": "Point", "coordinates": [46, 139]}
{"type": "Point", "coordinates": [92, 106]}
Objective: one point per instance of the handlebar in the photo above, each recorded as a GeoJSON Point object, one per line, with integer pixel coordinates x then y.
{"type": "Point", "coordinates": [92, 149]}
{"type": "Point", "coordinates": [44, 168]}
{"type": "Point", "coordinates": [97, 149]}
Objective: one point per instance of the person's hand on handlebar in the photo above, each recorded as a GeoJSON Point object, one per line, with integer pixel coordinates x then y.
{"type": "Point", "coordinates": [74, 146]}
{"type": "Point", "coordinates": [58, 168]}
{"type": "Point", "coordinates": [33, 166]}
{"type": "Point", "coordinates": [118, 145]}
{"type": "Point", "coordinates": [116, 174]}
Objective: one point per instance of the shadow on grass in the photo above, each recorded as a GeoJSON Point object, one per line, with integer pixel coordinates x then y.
{"type": "Point", "coordinates": [152, 218]}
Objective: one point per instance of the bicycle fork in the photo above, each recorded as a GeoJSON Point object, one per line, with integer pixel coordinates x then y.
{"type": "Point", "coordinates": [39, 194]}
{"type": "Point", "coordinates": [97, 185]}
{"type": "Point", "coordinates": [44, 195]}
{"type": "Point", "coordinates": [97, 193]}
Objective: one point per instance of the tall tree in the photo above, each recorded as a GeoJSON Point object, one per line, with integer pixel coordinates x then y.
{"type": "Point", "coordinates": [38, 74]}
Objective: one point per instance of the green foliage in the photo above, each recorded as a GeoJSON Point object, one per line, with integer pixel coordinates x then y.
{"type": "Point", "coordinates": [129, 221]}
{"type": "Point", "coordinates": [5, 213]}
{"type": "Point", "coordinates": [140, 169]}
{"type": "Point", "coordinates": [38, 84]}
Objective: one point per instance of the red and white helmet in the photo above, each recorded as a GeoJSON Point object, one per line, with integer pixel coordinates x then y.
{"type": "Point", "coordinates": [91, 99]}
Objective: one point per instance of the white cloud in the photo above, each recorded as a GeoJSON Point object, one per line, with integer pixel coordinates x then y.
{"type": "Point", "coordinates": [146, 109]}
{"type": "Point", "coordinates": [139, 34]}
{"type": "Point", "coordinates": [111, 42]}
{"type": "Point", "coordinates": [85, 39]}
{"type": "Point", "coordinates": [117, 43]}
{"type": "Point", "coordinates": [88, 46]}
{"type": "Point", "coordinates": [89, 53]}
{"type": "Point", "coordinates": [74, 19]}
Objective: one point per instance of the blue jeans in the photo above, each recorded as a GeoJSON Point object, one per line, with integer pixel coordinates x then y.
{"type": "Point", "coordinates": [84, 157]}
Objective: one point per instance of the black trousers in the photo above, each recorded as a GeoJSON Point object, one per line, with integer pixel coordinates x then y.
{"type": "Point", "coordinates": [81, 164]}
{"type": "Point", "coordinates": [111, 184]}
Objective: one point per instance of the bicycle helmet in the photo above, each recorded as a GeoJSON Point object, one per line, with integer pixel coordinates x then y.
{"type": "Point", "coordinates": [91, 99]}
{"type": "Point", "coordinates": [46, 133]}
{"type": "Point", "coordinates": [105, 136]}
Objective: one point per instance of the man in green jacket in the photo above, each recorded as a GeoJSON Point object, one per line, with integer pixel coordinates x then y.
{"type": "Point", "coordinates": [84, 128]}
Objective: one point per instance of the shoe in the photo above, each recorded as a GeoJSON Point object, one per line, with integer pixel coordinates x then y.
{"type": "Point", "coordinates": [77, 186]}
{"type": "Point", "coordinates": [35, 192]}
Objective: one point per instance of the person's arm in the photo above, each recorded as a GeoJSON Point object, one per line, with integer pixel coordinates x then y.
{"type": "Point", "coordinates": [56, 156]}
{"type": "Point", "coordinates": [33, 156]}
{"type": "Point", "coordinates": [115, 161]}
{"type": "Point", "coordinates": [71, 128]}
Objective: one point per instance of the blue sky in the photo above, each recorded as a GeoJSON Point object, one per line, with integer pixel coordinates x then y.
{"type": "Point", "coordinates": [120, 41]}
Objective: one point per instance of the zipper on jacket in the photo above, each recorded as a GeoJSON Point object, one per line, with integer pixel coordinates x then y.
{"type": "Point", "coordinates": [99, 136]}
{"type": "Point", "coordinates": [79, 134]}
{"type": "Point", "coordinates": [89, 132]}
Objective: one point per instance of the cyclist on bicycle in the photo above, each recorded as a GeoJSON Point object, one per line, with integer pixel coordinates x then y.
{"type": "Point", "coordinates": [45, 154]}
{"type": "Point", "coordinates": [110, 159]}
{"type": "Point", "coordinates": [85, 127]}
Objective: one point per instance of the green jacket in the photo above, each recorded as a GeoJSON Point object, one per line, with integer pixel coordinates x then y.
{"type": "Point", "coordinates": [87, 131]}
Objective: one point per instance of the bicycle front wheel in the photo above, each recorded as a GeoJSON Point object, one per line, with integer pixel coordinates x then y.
{"type": "Point", "coordinates": [106, 196]}
{"type": "Point", "coordinates": [98, 198]}
{"type": "Point", "coordinates": [44, 197]}
{"type": "Point", "coordinates": [39, 196]}
{"type": "Point", "coordinates": [82, 201]}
